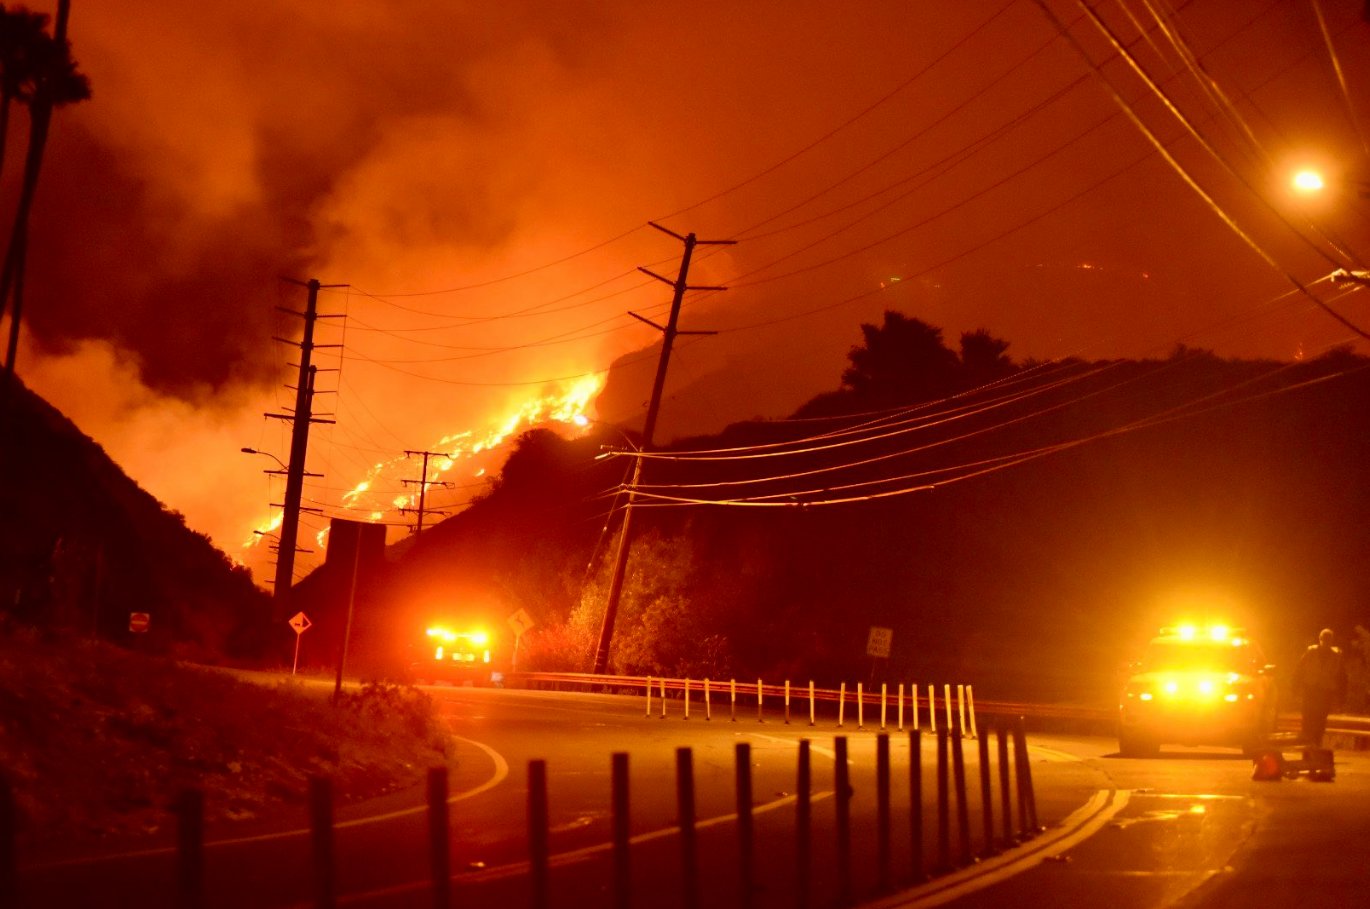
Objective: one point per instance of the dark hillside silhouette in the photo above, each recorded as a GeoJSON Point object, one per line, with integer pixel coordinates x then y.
{"type": "Point", "coordinates": [82, 546]}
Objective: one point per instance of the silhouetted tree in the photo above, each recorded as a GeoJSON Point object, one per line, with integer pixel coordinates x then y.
{"type": "Point", "coordinates": [56, 83]}
{"type": "Point", "coordinates": [21, 37]}
{"type": "Point", "coordinates": [984, 358]}
{"type": "Point", "coordinates": [902, 360]}
{"type": "Point", "coordinates": [1182, 352]}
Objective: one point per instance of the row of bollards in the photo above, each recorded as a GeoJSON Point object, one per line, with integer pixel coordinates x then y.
{"type": "Point", "coordinates": [959, 708]}
{"type": "Point", "coordinates": [951, 797]}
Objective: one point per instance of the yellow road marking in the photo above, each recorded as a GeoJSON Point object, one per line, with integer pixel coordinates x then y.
{"type": "Point", "coordinates": [1083, 823]}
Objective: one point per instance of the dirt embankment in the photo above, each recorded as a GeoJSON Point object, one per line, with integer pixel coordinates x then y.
{"type": "Point", "coordinates": [95, 740]}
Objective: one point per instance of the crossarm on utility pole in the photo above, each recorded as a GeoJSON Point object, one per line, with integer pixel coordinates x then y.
{"type": "Point", "coordinates": [669, 333]}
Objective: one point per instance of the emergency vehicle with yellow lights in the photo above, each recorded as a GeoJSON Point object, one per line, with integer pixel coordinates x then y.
{"type": "Point", "coordinates": [453, 654]}
{"type": "Point", "coordinates": [1198, 686]}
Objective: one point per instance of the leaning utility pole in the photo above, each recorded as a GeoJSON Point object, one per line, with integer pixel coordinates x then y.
{"type": "Point", "coordinates": [423, 485]}
{"type": "Point", "coordinates": [669, 332]}
{"type": "Point", "coordinates": [300, 419]}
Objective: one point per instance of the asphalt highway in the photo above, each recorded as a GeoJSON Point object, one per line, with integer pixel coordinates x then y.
{"type": "Point", "coordinates": [1187, 829]}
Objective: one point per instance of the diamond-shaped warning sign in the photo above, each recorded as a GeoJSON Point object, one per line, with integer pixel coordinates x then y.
{"type": "Point", "coordinates": [301, 623]}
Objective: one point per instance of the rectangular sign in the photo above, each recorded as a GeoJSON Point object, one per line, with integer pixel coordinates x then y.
{"type": "Point", "coordinates": [878, 644]}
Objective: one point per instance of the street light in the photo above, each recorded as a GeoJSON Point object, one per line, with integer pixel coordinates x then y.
{"type": "Point", "coordinates": [1310, 181]}
{"type": "Point", "coordinates": [254, 451]}
{"type": "Point", "coordinates": [283, 469]}
{"type": "Point", "coordinates": [277, 546]}
{"type": "Point", "coordinates": [584, 422]}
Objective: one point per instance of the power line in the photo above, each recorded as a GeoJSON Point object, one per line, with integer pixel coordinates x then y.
{"type": "Point", "coordinates": [847, 123]}
{"type": "Point", "coordinates": [1188, 178]}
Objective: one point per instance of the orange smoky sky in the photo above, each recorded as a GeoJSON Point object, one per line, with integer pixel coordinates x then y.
{"type": "Point", "coordinates": [481, 176]}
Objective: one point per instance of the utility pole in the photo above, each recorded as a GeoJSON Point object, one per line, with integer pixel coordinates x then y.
{"type": "Point", "coordinates": [669, 332]}
{"type": "Point", "coordinates": [423, 485]}
{"type": "Point", "coordinates": [300, 419]}
{"type": "Point", "coordinates": [1344, 276]}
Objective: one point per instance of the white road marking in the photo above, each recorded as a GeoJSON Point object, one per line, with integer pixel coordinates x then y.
{"type": "Point", "coordinates": [501, 771]}
{"type": "Point", "coordinates": [561, 859]}
{"type": "Point", "coordinates": [1051, 754]}
{"type": "Point", "coordinates": [1083, 823]}
{"type": "Point", "coordinates": [826, 752]}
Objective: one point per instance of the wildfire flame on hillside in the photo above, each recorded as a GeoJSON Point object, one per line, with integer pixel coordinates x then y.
{"type": "Point", "coordinates": [566, 403]}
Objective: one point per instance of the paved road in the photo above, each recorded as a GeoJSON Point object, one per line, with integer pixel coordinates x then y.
{"type": "Point", "coordinates": [1189, 828]}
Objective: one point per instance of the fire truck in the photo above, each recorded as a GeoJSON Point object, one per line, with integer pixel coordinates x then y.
{"type": "Point", "coordinates": [453, 653]}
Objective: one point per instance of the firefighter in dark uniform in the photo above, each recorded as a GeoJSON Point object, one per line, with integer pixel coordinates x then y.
{"type": "Point", "coordinates": [1321, 679]}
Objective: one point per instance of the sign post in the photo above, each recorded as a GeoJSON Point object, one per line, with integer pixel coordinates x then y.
{"type": "Point", "coordinates": [520, 622]}
{"type": "Point", "coordinates": [301, 624]}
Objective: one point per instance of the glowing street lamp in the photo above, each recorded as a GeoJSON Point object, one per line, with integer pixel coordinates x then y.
{"type": "Point", "coordinates": [584, 422]}
{"type": "Point", "coordinates": [1311, 182]}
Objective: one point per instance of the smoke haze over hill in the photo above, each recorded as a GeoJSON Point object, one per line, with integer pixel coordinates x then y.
{"type": "Point", "coordinates": [423, 151]}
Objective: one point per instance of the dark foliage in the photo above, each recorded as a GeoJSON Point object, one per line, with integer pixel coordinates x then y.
{"type": "Point", "coordinates": [82, 546]}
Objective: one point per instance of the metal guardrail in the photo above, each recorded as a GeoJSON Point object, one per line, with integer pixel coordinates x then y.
{"type": "Point", "coordinates": [927, 698]}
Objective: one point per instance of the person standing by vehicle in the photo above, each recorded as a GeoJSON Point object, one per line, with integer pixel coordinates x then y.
{"type": "Point", "coordinates": [1321, 679]}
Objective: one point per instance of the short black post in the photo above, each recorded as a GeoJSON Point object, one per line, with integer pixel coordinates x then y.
{"type": "Point", "coordinates": [1026, 795]}
{"type": "Point", "coordinates": [1020, 771]}
{"type": "Point", "coordinates": [842, 801]}
{"type": "Point", "coordinates": [321, 836]}
{"type": "Point", "coordinates": [1005, 791]}
{"type": "Point", "coordinates": [9, 832]}
{"type": "Point", "coordinates": [685, 804]}
{"type": "Point", "coordinates": [190, 849]}
{"type": "Point", "coordinates": [803, 820]}
{"type": "Point", "coordinates": [883, 875]}
{"type": "Point", "coordinates": [539, 846]}
{"type": "Point", "coordinates": [943, 805]}
{"type": "Point", "coordinates": [958, 762]}
{"type": "Point", "coordinates": [916, 804]}
{"type": "Point", "coordinates": [986, 795]}
{"type": "Point", "coordinates": [1020, 778]}
{"type": "Point", "coordinates": [623, 880]}
{"type": "Point", "coordinates": [745, 859]}
{"type": "Point", "coordinates": [439, 850]}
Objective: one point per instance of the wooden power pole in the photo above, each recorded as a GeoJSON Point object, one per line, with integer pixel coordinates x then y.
{"type": "Point", "coordinates": [669, 332]}
{"type": "Point", "coordinates": [423, 485]}
{"type": "Point", "coordinates": [300, 420]}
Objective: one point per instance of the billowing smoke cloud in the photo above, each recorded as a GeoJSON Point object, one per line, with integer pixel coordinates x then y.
{"type": "Point", "coordinates": [432, 144]}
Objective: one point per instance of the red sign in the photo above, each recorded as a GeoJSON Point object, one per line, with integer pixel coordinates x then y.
{"type": "Point", "coordinates": [138, 622]}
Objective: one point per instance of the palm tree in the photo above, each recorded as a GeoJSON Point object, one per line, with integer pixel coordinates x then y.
{"type": "Point", "coordinates": [21, 33]}
{"type": "Point", "coordinates": [56, 83]}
